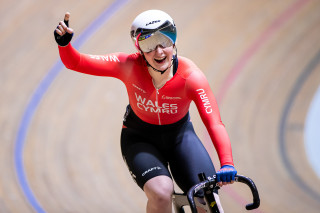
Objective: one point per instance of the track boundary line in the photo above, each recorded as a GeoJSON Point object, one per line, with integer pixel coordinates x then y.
{"type": "Point", "coordinates": [256, 45]}
{"type": "Point", "coordinates": [238, 67]}
{"type": "Point", "coordinates": [283, 126]}
{"type": "Point", "coordinates": [37, 97]}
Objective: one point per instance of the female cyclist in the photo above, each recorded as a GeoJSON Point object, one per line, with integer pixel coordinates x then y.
{"type": "Point", "coordinates": [157, 133]}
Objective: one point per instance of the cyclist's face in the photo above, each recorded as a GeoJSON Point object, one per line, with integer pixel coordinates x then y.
{"type": "Point", "coordinates": [160, 58]}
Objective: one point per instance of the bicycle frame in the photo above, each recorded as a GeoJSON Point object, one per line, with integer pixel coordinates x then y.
{"type": "Point", "coordinates": [209, 185]}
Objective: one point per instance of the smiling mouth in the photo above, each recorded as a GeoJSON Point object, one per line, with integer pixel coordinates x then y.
{"type": "Point", "coordinates": [160, 60]}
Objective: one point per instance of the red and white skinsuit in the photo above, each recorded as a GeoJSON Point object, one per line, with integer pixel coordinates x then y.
{"type": "Point", "coordinates": [162, 106]}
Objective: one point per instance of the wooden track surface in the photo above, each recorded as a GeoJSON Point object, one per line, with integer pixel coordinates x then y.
{"type": "Point", "coordinates": [261, 59]}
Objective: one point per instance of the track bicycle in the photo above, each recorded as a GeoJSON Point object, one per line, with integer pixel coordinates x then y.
{"type": "Point", "coordinates": [209, 185]}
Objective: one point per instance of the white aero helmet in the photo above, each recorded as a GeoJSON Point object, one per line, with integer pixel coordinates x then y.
{"type": "Point", "coordinates": [152, 28]}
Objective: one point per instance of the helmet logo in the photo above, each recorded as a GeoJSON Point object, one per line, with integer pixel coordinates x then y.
{"type": "Point", "coordinates": [152, 22]}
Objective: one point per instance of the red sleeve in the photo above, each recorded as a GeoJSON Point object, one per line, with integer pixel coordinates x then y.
{"type": "Point", "coordinates": [111, 65]}
{"type": "Point", "coordinates": [199, 91]}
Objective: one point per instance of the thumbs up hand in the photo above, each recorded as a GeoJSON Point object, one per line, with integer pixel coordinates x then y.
{"type": "Point", "coordinates": [63, 33]}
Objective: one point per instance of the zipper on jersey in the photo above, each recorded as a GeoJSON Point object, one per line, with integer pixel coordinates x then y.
{"type": "Point", "coordinates": [157, 100]}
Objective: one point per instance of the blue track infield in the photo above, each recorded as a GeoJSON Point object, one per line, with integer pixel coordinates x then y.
{"type": "Point", "coordinates": [311, 67]}
{"type": "Point", "coordinates": [312, 133]}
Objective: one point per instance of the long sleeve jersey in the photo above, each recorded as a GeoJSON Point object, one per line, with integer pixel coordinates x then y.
{"type": "Point", "coordinates": [162, 106]}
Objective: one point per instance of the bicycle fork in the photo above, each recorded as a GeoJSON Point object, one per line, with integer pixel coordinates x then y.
{"type": "Point", "coordinates": [209, 195]}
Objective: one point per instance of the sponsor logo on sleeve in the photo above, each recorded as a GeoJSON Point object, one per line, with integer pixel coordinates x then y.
{"type": "Point", "coordinates": [111, 58]}
{"type": "Point", "coordinates": [205, 100]}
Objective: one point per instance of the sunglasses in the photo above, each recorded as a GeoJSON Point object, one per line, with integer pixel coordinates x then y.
{"type": "Point", "coordinates": [148, 39]}
{"type": "Point", "coordinates": [153, 41]}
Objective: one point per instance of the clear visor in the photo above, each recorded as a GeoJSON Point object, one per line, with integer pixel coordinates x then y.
{"type": "Point", "coordinates": [156, 39]}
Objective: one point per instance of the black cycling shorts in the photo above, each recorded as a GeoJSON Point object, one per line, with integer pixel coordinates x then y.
{"type": "Point", "coordinates": [150, 150]}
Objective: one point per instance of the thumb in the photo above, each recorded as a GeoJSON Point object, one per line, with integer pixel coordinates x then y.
{"type": "Point", "coordinates": [66, 21]}
{"type": "Point", "coordinates": [66, 18]}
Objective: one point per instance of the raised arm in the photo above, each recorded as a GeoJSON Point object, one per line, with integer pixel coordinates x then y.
{"type": "Point", "coordinates": [112, 65]}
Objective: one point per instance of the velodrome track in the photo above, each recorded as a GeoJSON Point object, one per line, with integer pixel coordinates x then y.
{"type": "Point", "coordinates": [60, 130]}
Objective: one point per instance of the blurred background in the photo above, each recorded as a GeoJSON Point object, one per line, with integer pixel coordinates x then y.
{"type": "Point", "coordinates": [60, 130]}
